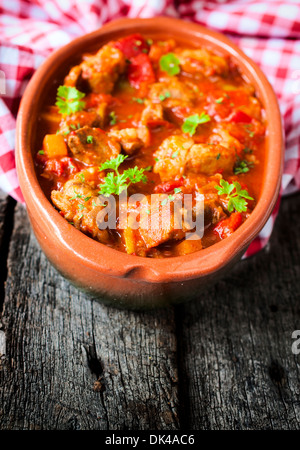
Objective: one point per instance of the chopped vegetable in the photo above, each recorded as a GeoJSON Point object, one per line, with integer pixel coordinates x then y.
{"type": "Point", "coordinates": [227, 226]}
{"type": "Point", "coordinates": [235, 195]}
{"type": "Point", "coordinates": [140, 71]}
{"type": "Point", "coordinates": [239, 117]}
{"type": "Point", "coordinates": [54, 145]}
{"type": "Point", "coordinates": [68, 100]}
{"type": "Point", "coordinates": [190, 124]}
{"type": "Point", "coordinates": [170, 63]}
{"type": "Point", "coordinates": [132, 45]}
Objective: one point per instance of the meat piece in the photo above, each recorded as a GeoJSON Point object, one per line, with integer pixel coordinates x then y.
{"type": "Point", "coordinates": [74, 78]}
{"type": "Point", "coordinates": [172, 92]}
{"type": "Point", "coordinates": [195, 61]}
{"type": "Point", "coordinates": [153, 112]}
{"type": "Point", "coordinates": [79, 120]}
{"type": "Point", "coordinates": [170, 157]}
{"type": "Point", "coordinates": [157, 220]}
{"type": "Point", "coordinates": [131, 139]}
{"type": "Point", "coordinates": [103, 69]}
{"type": "Point", "coordinates": [209, 159]}
{"type": "Point", "coordinates": [92, 146]}
{"type": "Point", "coordinates": [78, 202]}
{"type": "Point", "coordinates": [224, 138]}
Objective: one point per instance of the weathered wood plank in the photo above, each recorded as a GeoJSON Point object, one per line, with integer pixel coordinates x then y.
{"type": "Point", "coordinates": [236, 352]}
{"type": "Point", "coordinates": [71, 363]}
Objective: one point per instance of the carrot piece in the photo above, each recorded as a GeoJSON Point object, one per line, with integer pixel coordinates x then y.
{"type": "Point", "coordinates": [54, 145]}
{"type": "Point", "coordinates": [187, 246]}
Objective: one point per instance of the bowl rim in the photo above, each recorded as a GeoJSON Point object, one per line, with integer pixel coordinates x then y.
{"type": "Point", "coordinates": [113, 262]}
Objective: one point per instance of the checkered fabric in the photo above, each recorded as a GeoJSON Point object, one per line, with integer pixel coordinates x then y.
{"type": "Point", "coordinates": [267, 31]}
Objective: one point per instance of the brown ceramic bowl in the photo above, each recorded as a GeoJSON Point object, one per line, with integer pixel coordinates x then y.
{"type": "Point", "coordinates": [109, 275]}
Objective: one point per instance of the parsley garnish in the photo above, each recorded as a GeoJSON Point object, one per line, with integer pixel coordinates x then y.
{"type": "Point", "coordinates": [169, 63]}
{"type": "Point", "coordinates": [219, 100]}
{"type": "Point", "coordinates": [138, 100]}
{"type": "Point", "coordinates": [89, 139]}
{"type": "Point", "coordinates": [190, 124]}
{"type": "Point", "coordinates": [68, 100]}
{"type": "Point", "coordinates": [113, 118]}
{"type": "Point", "coordinates": [177, 190]}
{"type": "Point", "coordinates": [114, 182]}
{"type": "Point", "coordinates": [235, 195]}
{"type": "Point", "coordinates": [82, 177]}
{"type": "Point", "coordinates": [243, 166]}
{"type": "Point", "coordinates": [175, 154]}
{"type": "Point", "coordinates": [163, 97]}
{"type": "Point", "coordinates": [41, 152]}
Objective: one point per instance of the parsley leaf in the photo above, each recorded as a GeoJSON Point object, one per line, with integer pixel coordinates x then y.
{"type": "Point", "coordinates": [243, 166]}
{"type": "Point", "coordinates": [235, 195]}
{"type": "Point", "coordinates": [169, 63]}
{"type": "Point", "coordinates": [113, 118]}
{"type": "Point", "coordinates": [163, 97]}
{"type": "Point", "coordinates": [114, 182]}
{"type": "Point", "coordinates": [89, 139]}
{"type": "Point", "coordinates": [68, 100]}
{"type": "Point", "coordinates": [190, 124]}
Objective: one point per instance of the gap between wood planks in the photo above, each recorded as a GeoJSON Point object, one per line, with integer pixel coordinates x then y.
{"type": "Point", "coordinates": [7, 208]}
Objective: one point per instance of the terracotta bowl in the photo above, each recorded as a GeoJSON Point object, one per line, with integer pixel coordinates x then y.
{"type": "Point", "coordinates": [107, 274]}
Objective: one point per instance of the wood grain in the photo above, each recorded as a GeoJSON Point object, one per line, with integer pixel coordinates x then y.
{"type": "Point", "coordinates": [72, 363]}
{"type": "Point", "coordinates": [236, 339]}
{"type": "Point", "coordinates": [221, 362]}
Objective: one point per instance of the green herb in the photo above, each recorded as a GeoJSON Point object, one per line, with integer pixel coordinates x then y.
{"type": "Point", "coordinates": [243, 166]}
{"type": "Point", "coordinates": [68, 100]}
{"type": "Point", "coordinates": [170, 63]}
{"type": "Point", "coordinates": [81, 206]}
{"type": "Point", "coordinates": [164, 201]}
{"type": "Point", "coordinates": [218, 156]}
{"type": "Point", "coordinates": [41, 152]}
{"type": "Point", "coordinates": [114, 182]}
{"type": "Point", "coordinates": [80, 217]}
{"type": "Point", "coordinates": [175, 154]}
{"type": "Point", "coordinates": [113, 118]}
{"type": "Point", "coordinates": [247, 150]}
{"type": "Point", "coordinates": [76, 195]}
{"type": "Point", "coordinates": [71, 167]}
{"type": "Point", "coordinates": [156, 159]}
{"type": "Point", "coordinates": [235, 195]}
{"type": "Point", "coordinates": [73, 126]}
{"type": "Point", "coordinates": [163, 97]}
{"type": "Point", "coordinates": [82, 177]}
{"type": "Point", "coordinates": [138, 100]}
{"type": "Point", "coordinates": [89, 139]}
{"type": "Point", "coordinates": [190, 124]}
{"type": "Point", "coordinates": [87, 199]}
{"type": "Point", "coordinates": [177, 190]}
{"type": "Point", "coordinates": [220, 100]}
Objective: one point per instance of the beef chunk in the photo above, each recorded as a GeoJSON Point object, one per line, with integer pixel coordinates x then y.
{"type": "Point", "coordinates": [92, 146]}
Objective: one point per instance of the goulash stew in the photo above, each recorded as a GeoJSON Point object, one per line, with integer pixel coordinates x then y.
{"type": "Point", "coordinates": [153, 117]}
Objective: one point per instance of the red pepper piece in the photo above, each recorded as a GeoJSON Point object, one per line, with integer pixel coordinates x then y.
{"type": "Point", "coordinates": [59, 165]}
{"type": "Point", "coordinates": [132, 45]}
{"type": "Point", "coordinates": [169, 186]}
{"type": "Point", "coordinates": [140, 71]}
{"type": "Point", "coordinates": [239, 116]}
{"type": "Point", "coordinates": [227, 226]}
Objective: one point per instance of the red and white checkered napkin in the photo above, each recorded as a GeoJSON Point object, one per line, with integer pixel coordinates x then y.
{"type": "Point", "coordinates": [268, 31]}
